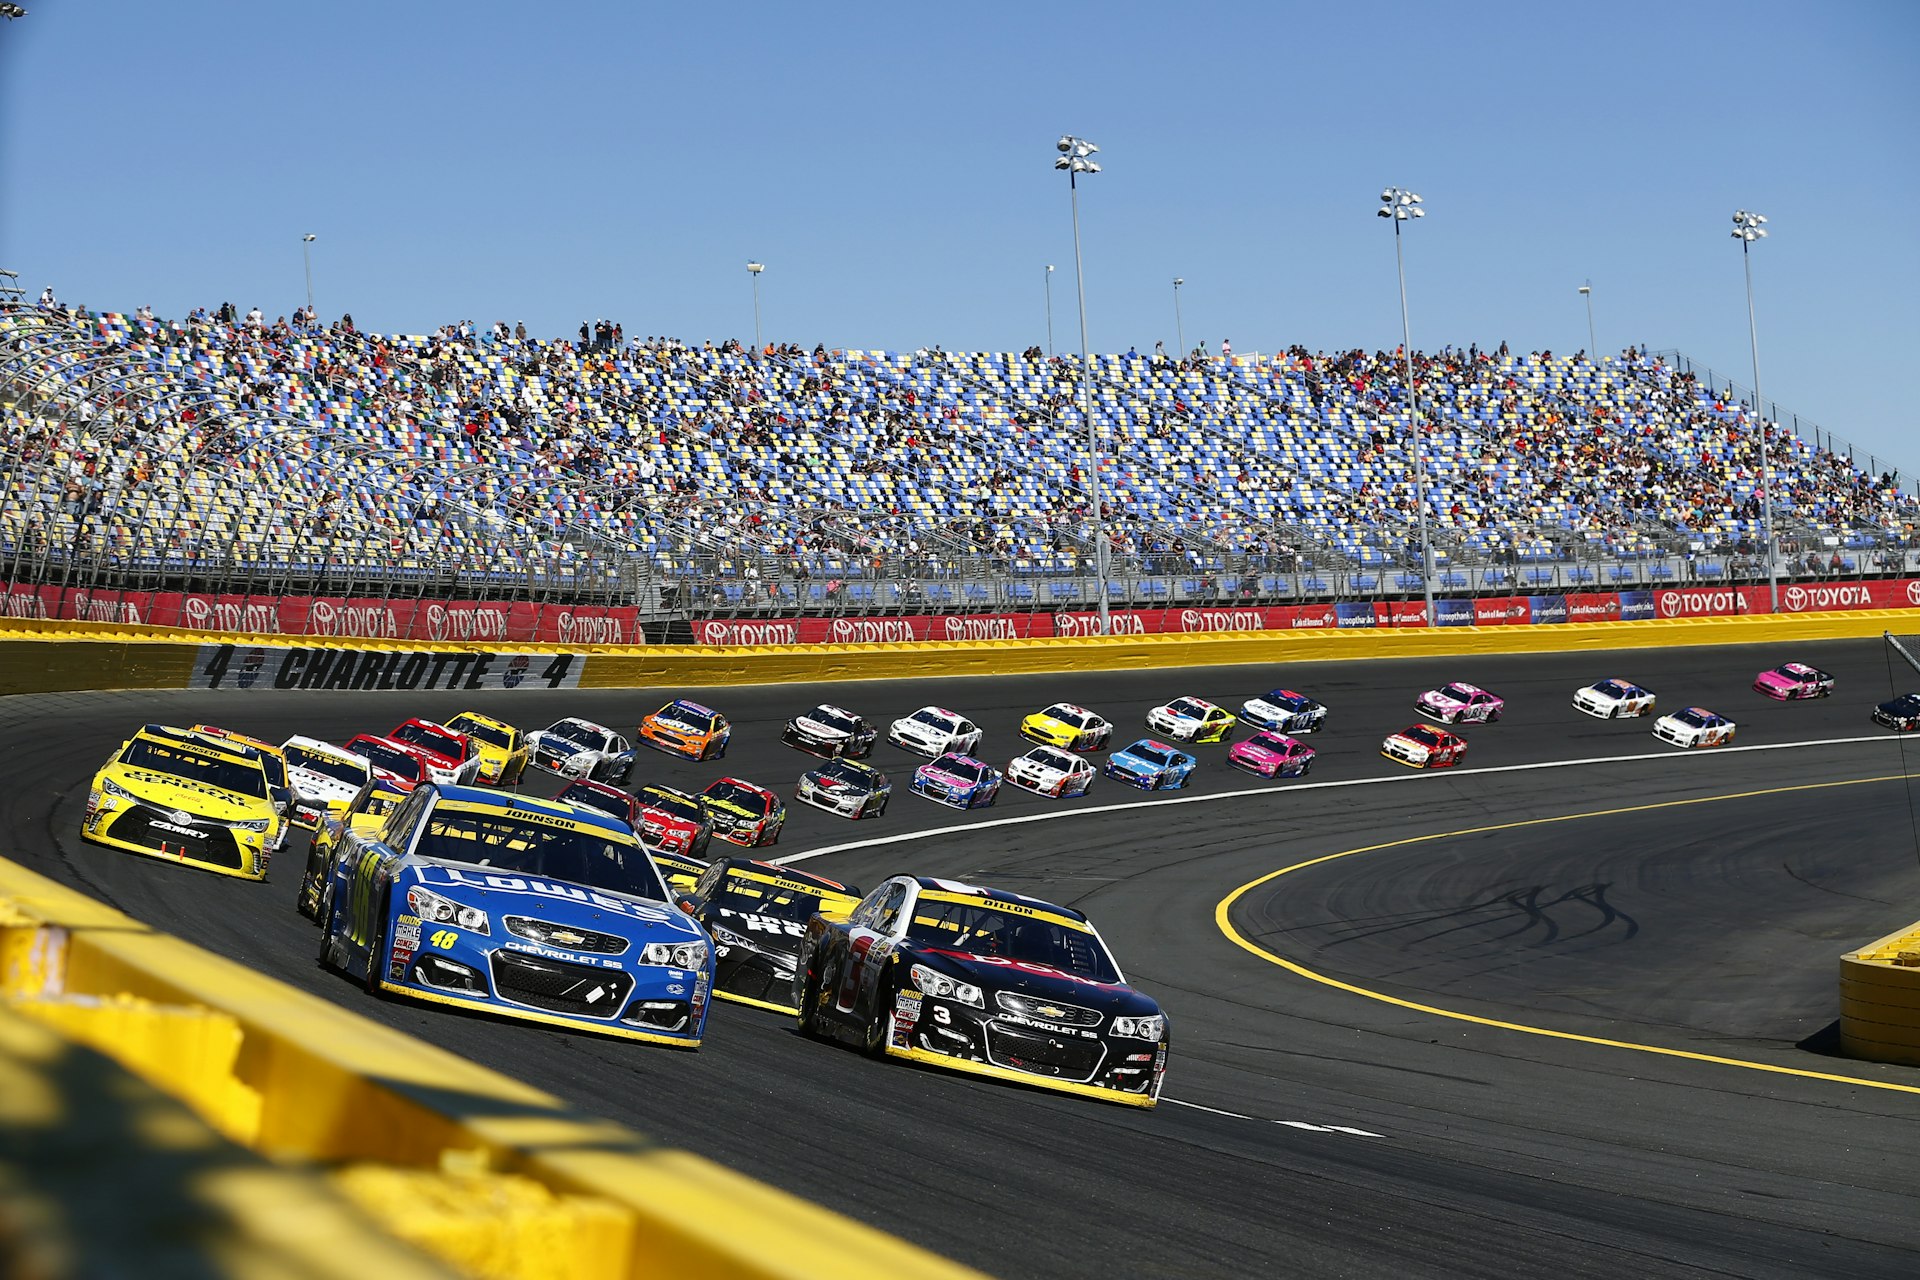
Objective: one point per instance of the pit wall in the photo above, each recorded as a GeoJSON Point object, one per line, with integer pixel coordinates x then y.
{"type": "Point", "coordinates": [1880, 999]}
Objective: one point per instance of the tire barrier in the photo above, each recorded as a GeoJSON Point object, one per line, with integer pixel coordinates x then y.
{"type": "Point", "coordinates": [1880, 999]}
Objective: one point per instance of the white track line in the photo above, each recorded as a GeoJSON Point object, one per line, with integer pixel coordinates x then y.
{"type": "Point", "coordinates": [1291, 1124]}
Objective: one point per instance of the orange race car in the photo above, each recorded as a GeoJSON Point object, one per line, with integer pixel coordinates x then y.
{"type": "Point", "coordinates": [687, 729]}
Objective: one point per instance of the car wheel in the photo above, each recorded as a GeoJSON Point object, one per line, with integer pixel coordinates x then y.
{"type": "Point", "coordinates": [376, 948]}
{"type": "Point", "coordinates": [873, 1036]}
{"type": "Point", "coordinates": [883, 806]}
{"type": "Point", "coordinates": [326, 924]}
{"type": "Point", "coordinates": [806, 1021]}
{"type": "Point", "coordinates": [1492, 716]}
{"type": "Point", "coordinates": [1306, 766]}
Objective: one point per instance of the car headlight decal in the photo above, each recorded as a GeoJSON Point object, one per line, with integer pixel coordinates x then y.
{"type": "Point", "coordinates": [1149, 1027]}
{"type": "Point", "coordinates": [934, 983]}
{"type": "Point", "coordinates": [114, 789]}
{"type": "Point", "coordinates": [677, 955]}
{"type": "Point", "coordinates": [428, 905]}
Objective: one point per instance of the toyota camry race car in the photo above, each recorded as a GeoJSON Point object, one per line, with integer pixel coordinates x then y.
{"type": "Point", "coordinates": [1425, 747]}
{"type": "Point", "coordinates": [828, 730]}
{"type": "Point", "coordinates": [451, 755]}
{"type": "Point", "coordinates": [982, 981]}
{"type": "Point", "coordinates": [688, 730]}
{"type": "Point", "coordinates": [1694, 727]}
{"type": "Point", "coordinates": [1793, 680]}
{"type": "Point", "coordinates": [845, 787]}
{"type": "Point", "coordinates": [177, 795]}
{"type": "Point", "coordinates": [1050, 771]}
{"type": "Point", "coordinates": [1272, 755]}
{"type": "Point", "coordinates": [1192, 720]}
{"type": "Point", "coordinates": [510, 905]}
{"type": "Point", "coordinates": [958, 781]}
{"type": "Point", "coordinates": [502, 748]}
{"type": "Point", "coordinates": [934, 731]}
{"type": "Point", "coordinates": [743, 813]}
{"type": "Point", "coordinates": [279, 786]}
{"type": "Point", "coordinates": [1284, 711]}
{"type": "Point", "coordinates": [1150, 766]}
{"type": "Point", "coordinates": [672, 821]}
{"type": "Point", "coordinates": [1901, 714]}
{"type": "Point", "coordinates": [1070, 727]}
{"type": "Point", "coordinates": [1612, 699]}
{"type": "Point", "coordinates": [757, 914]}
{"type": "Point", "coordinates": [324, 778]}
{"type": "Point", "coordinates": [581, 749]}
{"type": "Point", "coordinates": [365, 812]}
{"type": "Point", "coordinates": [1460, 703]}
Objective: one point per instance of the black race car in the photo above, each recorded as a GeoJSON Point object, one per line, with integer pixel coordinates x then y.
{"type": "Point", "coordinates": [982, 981]}
{"type": "Point", "coordinates": [828, 730]}
{"type": "Point", "coordinates": [1901, 714]}
{"type": "Point", "coordinates": [757, 914]}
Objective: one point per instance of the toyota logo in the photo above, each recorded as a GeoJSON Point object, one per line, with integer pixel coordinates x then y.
{"type": "Point", "coordinates": [1670, 603]}
{"type": "Point", "coordinates": [1913, 592]}
{"type": "Point", "coordinates": [1796, 599]}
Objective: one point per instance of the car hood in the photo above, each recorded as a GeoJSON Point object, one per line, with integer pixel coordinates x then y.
{"type": "Point", "coordinates": [1435, 698]}
{"type": "Point", "coordinates": [914, 729]}
{"type": "Point", "coordinates": [826, 783]}
{"type": "Point", "coordinates": [1255, 751]}
{"type": "Point", "coordinates": [819, 730]}
{"type": "Point", "coordinates": [1128, 761]}
{"type": "Point", "coordinates": [932, 774]}
{"type": "Point", "coordinates": [674, 726]}
{"type": "Point", "coordinates": [753, 930]}
{"type": "Point", "coordinates": [1776, 680]}
{"type": "Point", "coordinates": [557, 901]}
{"type": "Point", "coordinates": [163, 790]}
{"type": "Point", "coordinates": [559, 746]}
{"type": "Point", "coordinates": [321, 784]}
{"type": "Point", "coordinates": [1042, 982]}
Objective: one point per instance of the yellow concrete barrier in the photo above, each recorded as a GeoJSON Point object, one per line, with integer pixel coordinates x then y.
{"type": "Point", "coordinates": [1880, 999]}
{"type": "Point", "coordinates": [500, 1178]}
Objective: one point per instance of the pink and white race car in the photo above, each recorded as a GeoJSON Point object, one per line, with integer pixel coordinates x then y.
{"type": "Point", "coordinates": [1791, 680]}
{"type": "Point", "coordinates": [1272, 755]}
{"type": "Point", "coordinates": [1460, 704]}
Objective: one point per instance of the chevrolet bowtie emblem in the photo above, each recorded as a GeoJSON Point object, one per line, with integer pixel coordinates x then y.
{"type": "Point", "coordinates": [1051, 1011]}
{"type": "Point", "coordinates": [567, 937]}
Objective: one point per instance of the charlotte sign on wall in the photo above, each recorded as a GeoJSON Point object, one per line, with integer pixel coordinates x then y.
{"type": "Point", "coordinates": [254, 666]}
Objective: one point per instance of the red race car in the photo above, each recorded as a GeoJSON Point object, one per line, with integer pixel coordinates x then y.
{"type": "Point", "coordinates": [1424, 747]}
{"type": "Point", "coordinates": [453, 756]}
{"type": "Point", "coordinates": [401, 763]}
{"type": "Point", "coordinates": [671, 821]}
{"type": "Point", "coordinates": [598, 795]}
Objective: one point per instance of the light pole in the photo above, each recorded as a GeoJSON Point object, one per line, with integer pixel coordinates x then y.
{"type": "Point", "coordinates": [1049, 310]}
{"type": "Point", "coordinates": [1076, 158]}
{"type": "Point", "coordinates": [1179, 330]}
{"type": "Point", "coordinates": [1593, 343]}
{"type": "Point", "coordinates": [306, 258]}
{"type": "Point", "coordinates": [1748, 227]}
{"type": "Point", "coordinates": [1400, 206]}
{"type": "Point", "coordinates": [754, 269]}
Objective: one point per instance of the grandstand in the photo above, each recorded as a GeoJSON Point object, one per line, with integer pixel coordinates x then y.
{"type": "Point", "coordinates": [215, 455]}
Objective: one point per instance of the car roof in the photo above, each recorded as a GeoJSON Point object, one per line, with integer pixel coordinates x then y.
{"type": "Point", "coordinates": [175, 736]}
{"type": "Point", "coordinates": [594, 786]}
{"type": "Point", "coordinates": [585, 724]}
{"type": "Point", "coordinates": [482, 717]}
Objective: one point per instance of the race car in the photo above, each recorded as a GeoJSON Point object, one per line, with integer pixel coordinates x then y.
{"type": "Point", "coordinates": [982, 981]}
{"type": "Point", "coordinates": [1150, 766]}
{"type": "Point", "coordinates": [1425, 747]}
{"type": "Point", "coordinates": [1192, 720]}
{"type": "Point", "coordinates": [325, 778]}
{"type": "Point", "coordinates": [451, 755]}
{"type": "Point", "coordinates": [1284, 711]}
{"type": "Point", "coordinates": [830, 731]}
{"type": "Point", "coordinates": [1067, 726]}
{"type": "Point", "coordinates": [1050, 771]}
{"type": "Point", "coordinates": [672, 821]}
{"type": "Point", "coordinates": [574, 748]}
{"type": "Point", "coordinates": [934, 731]}
{"type": "Point", "coordinates": [1460, 703]}
{"type": "Point", "coordinates": [178, 795]}
{"type": "Point", "coordinates": [1901, 714]}
{"type": "Point", "coordinates": [1612, 699]}
{"type": "Point", "coordinates": [958, 781]}
{"type": "Point", "coordinates": [845, 787]}
{"type": "Point", "coordinates": [525, 908]}
{"type": "Point", "coordinates": [680, 872]}
{"type": "Point", "coordinates": [400, 763]}
{"type": "Point", "coordinates": [1694, 727]}
{"type": "Point", "coordinates": [1272, 755]}
{"type": "Point", "coordinates": [688, 730]}
{"type": "Point", "coordinates": [279, 786]}
{"type": "Point", "coordinates": [503, 748]}
{"type": "Point", "coordinates": [1793, 680]}
{"type": "Point", "coordinates": [757, 915]}
{"type": "Point", "coordinates": [365, 812]}
{"type": "Point", "coordinates": [743, 813]}
{"type": "Point", "coordinates": [610, 800]}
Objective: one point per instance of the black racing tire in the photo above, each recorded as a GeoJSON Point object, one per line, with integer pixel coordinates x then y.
{"type": "Point", "coordinates": [376, 945]}
{"type": "Point", "coordinates": [873, 1036]}
{"type": "Point", "coordinates": [804, 1019]}
{"type": "Point", "coordinates": [1492, 716]}
{"type": "Point", "coordinates": [326, 924]}
{"type": "Point", "coordinates": [1306, 767]}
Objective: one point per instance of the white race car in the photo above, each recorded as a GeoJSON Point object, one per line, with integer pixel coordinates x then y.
{"type": "Point", "coordinates": [935, 731]}
{"type": "Point", "coordinates": [1694, 727]}
{"type": "Point", "coordinates": [1284, 711]}
{"type": "Point", "coordinates": [1612, 699]}
{"type": "Point", "coordinates": [324, 778]}
{"type": "Point", "coordinates": [581, 749]}
{"type": "Point", "coordinates": [1050, 771]}
{"type": "Point", "coordinates": [1192, 720]}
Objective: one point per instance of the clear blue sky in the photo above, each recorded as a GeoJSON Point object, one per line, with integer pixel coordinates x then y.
{"type": "Point", "coordinates": [891, 164]}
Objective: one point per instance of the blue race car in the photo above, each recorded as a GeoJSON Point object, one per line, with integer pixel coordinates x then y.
{"type": "Point", "coordinates": [958, 780]}
{"type": "Point", "coordinates": [1150, 766]}
{"type": "Point", "coordinates": [1284, 711]}
{"type": "Point", "coordinates": [534, 909]}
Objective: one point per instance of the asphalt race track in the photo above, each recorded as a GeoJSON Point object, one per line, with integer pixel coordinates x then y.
{"type": "Point", "coordinates": [1308, 1129]}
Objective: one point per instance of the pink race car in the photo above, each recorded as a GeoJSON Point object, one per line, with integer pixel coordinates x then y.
{"type": "Point", "coordinates": [1272, 755]}
{"type": "Point", "coordinates": [1460, 703]}
{"type": "Point", "coordinates": [1791, 680]}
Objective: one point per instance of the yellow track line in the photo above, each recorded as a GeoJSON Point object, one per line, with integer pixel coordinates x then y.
{"type": "Point", "coordinates": [1221, 912]}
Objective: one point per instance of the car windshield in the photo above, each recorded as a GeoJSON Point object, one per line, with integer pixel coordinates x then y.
{"type": "Point", "coordinates": [326, 764]}
{"type": "Point", "coordinates": [594, 798]}
{"type": "Point", "coordinates": [833, 718]}
{"type": "Point", "coordinates": [579, 733]}
{"type": "Point", "coordinates": [686, 713]}
{"type": "Point", "coordinates": [854, 775]}
{"type": "Point", "coordinates": [1188, 707]}
{"type": "Point", "coordinates": [960, 767]}
{"type": "Point", "coordinates": [553, 848]}
{"type": "Point", "coordinates": [1271, 741]}
{"type": "Point", "coordinates": [1792, 672]}
{"type": "Point", "coordinates": [398, 763]}
{"type": "Point", "coordinates": [242, 777]}
{"type": "Point", "coordinates": [1614, 688]}
{"type": "Point", "coordinates": [728, 791]}
{"type": "Point", "coordinates": [1151, 755]}
{"type": "Point", "coordinates": [1458, 692]}
{"type": "Point", "coordinates": [673, 803]}
{"type": "Point", "coordinates": [492, 735]}
{"type": "Point", "coordinates": [1287, 700]}
{"type": "Point", "coordinates": [1424, 736]}
{"type": "Point", "coordinates": [441, 744]}
{"type": "Point", "coordinates": [760, 894]}
{"type": "Point", "coordinates": [1051, 759]}
{"type": "Point", "coordinates": [1069, 715]}
{"type": "Point", "coordinates": [1697, 718]}
{"type": "Point", "coordinates": [932, 719]}
{"type": "Point", "coordinates": [980, 927]}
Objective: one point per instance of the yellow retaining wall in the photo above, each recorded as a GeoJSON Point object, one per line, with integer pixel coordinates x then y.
{"type": "Point", "coordinates": [1880, 999]}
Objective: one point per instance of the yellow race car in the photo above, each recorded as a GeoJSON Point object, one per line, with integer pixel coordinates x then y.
{"type": "Point", "coordinates": [364, 813]}
{"type": "Point", "coordinates": [1070, 727]}
{"type": "Point", "coordinates": [175, 794]}
{"type": "Point", "coordinates": [503, 748]}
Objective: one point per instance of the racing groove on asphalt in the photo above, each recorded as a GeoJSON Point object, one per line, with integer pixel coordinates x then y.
{"type": "Point", "coordinates": [1711, 927]}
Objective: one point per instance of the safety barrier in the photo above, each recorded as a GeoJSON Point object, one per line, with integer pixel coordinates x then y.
{"type": "Point", "coordinates": [1880, 999]}
{"type": "Point", "coordinates": [492, 1176]}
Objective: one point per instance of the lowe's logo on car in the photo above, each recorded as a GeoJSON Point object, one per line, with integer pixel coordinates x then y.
{"type": "Point", "coordinates": [313, 668]}
{"type": "Point", "coordinates": [1222, 620]}
{"type": "Point", "coordinates": [870, 630]}
{"type": "Point", "coordinates": [545, 888]}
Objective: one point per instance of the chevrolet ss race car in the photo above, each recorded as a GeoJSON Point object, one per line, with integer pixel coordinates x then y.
{"type": "Point", "coordinates": [581, 749]}
{"type": "Point", "coordinates": [1460, 703]}
{"type": "Point", "coordinates": [672, 821]}
{"type": "Point", "coordinates": [934, 731]}
{"type": "Point", "coordinates": [828, 730]}
{"type": "Point", "coordinates": [1272, 755]}
{"type": "Point", "coordinates": [1901, 714]}
{"type": "Point", "coordinates": [451, 755]}
{"type": "Point", "coordinates": [1694, 727]}
{"type": "Point", "coordinates": [177, 795]}
{"type": "Point", "coordinates": [757, 914]}
{"type": "Point", "coordinates": [365, 812]}
{"type": "Point", "coordinates": [1284, 711]}
{"type": "Point", "coordinates": [399, 763]}
{"type": "Point", "coordinates": [845, 787]}
{"type": "Point", "coordinates": [1192, 720]}
{"type": "Point", "coordinates": [1612, 699]}
{"type": "Point", "coordinates": [526, 908]}
{"type": "Point", "coordinates": [743, 813]}
{"type": "Point", "coordinates": [1050, 771]}
{"type": "Point", "coordinates": [957, 781]}
{"type": "Point", "coordinates": [982, 981]}
{"type": "Point", "coordinates": [1793, 680]}
{"type": "Point", "coordinates": [503, 748]}
{"type": "Point", "coordinates": [688, 730]}
{"type": "Point", "coordinates": [1151, 766]}
{"type": "Point", "coordinates": [1069, 727]}
{"type": "Point", "coordinates": [608, 800]}
{"type": "Point", "coordinates": [324, 778]}
{"type": "Point", "coordinates": [1425, 747]}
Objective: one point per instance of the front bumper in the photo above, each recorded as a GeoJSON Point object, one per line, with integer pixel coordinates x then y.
{"type": "Point", "coordinates": [743, 975]}
{"type": "Point", "coordinates": [1144, 781]}
{"type": "Point", "coordinates": [847, 805]}
{"type": "Point", "coordinates": [943, 1033]}
{"type": "Point", "coordinates": [131, 826]}
{"type": "Point", "coordinates": [940, 793]}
